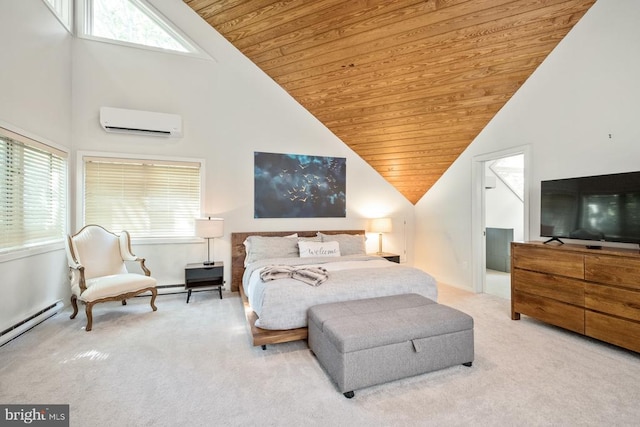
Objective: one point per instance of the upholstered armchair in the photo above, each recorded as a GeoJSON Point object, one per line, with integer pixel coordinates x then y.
{"type": "Point", "coordinates": [98, 273]}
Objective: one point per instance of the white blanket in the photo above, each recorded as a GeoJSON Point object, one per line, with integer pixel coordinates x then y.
{"type": "Point", "coordinates": [283, 303]}
{"type": "Point", "coordinates": [311, 275]}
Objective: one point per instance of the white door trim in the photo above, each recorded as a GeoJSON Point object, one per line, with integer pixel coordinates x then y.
{"type": "Point", "coordinates": [478, 207]}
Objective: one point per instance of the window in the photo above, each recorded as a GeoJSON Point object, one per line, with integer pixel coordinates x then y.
{"type": "Point", "coordinates": [33, 196]}
{"type": "Point", "coordinates": [132, 22]}
{"type": "Point", "coordinates": [148, 198]}
{"type": "Point", "coordinates": [62, 9]}
{"type": "Point", "coordinates": [511, 171]}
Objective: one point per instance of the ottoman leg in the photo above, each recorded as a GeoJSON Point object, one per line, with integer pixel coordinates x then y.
{"type": "Point", "coordinates": [468, 364]}
{"type": "Point", "coordinates": [349, 394]}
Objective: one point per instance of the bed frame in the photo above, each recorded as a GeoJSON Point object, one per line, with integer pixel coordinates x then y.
{"type": "Point", "coordinates": [262, 337]}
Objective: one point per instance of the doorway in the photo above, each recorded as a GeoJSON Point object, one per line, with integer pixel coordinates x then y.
{"type": "Point", "coordinates": [500, 215]}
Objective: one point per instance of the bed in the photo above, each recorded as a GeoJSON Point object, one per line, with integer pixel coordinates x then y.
{"type": "Point", "coordinates": [279, 306]}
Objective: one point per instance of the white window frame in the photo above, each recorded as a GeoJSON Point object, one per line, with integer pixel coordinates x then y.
{"type": "Point", "coordinates": [46, 145]}
{"type": "Point", "coordinates": [63, 10]}
{"type": "Point", "coordinates": [84, 30]}
{"type": "Point", "coordinates": [80, 162]}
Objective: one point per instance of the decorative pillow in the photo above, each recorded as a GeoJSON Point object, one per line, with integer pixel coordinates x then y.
{"type": "Point", "coordinates": [310, 249]}
{"type": "Point", "coordinates": [262, 247]}
{"type": "Point", "coordinates": [247, 241]}
{"type": "Point", "coordinates": [350, 244]}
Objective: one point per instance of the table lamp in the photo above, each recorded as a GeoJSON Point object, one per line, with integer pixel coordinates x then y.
{"type": "Point", "coordinates": [380, 225]}
{"type": "Point", "coordinates": [209, 228]}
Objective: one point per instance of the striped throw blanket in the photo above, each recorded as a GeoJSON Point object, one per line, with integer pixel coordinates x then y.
{"type": "Point", "coordinates": [313, 276]}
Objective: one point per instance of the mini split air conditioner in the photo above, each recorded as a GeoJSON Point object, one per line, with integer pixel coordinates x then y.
{"type": "Point", "coordinates": [140, 122]}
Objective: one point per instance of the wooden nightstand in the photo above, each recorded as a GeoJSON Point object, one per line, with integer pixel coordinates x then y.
{"type": "Point", "coordinates": [204, 276]}
{"type": "Point", "coordinates": [388, 256]}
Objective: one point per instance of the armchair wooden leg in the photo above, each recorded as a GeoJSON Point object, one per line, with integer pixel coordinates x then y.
{"type": "Point", "coordinates": [88, 309]}
{"type": "Point", "coordinates": [74, 304]}
{"type": "Point", "coordinates": [154, 294]}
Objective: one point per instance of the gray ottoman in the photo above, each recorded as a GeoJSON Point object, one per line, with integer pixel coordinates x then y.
{"type": "Point", "coordinates": [372, 341]}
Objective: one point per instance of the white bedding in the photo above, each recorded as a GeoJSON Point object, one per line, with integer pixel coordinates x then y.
{"type": "Point", "coordinates": [283, 303]}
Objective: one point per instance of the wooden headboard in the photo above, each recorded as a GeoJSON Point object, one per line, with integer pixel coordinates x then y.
{"type": "Point", "coordinates": [238, 252]}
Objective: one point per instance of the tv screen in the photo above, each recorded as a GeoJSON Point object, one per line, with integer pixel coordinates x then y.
{"type": "Point", "coordinates": [604, 208]}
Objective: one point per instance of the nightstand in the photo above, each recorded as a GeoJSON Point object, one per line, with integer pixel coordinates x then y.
{"type": "Point", "coordinates": [204, 276]}
{"type": "Point", "coordinates": [388, 256]}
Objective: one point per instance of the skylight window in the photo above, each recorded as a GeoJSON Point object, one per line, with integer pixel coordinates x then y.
{"type": "Point", "coordinates": [133, 22]}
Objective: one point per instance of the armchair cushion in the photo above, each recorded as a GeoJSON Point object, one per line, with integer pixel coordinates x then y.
{"type": "Point", "coordinates": [112, 286]}
{"type": "Point", "coordinates": [99, 252]}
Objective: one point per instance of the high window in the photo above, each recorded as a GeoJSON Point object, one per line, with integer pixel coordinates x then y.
{"type": "Point", "coordinates": [63, 10]}
{"type": "Point", "coordinates": [33, 196]}
{"type": "Point", "coordinates": [149, 198]}
{"type": "Point", "coordinates": [134, 23]}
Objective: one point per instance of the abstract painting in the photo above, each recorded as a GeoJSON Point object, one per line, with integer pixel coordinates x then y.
{"type": "Point", "coordinates": [299, 186]}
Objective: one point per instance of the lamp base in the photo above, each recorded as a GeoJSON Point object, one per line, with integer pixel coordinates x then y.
{"type": "Point", "coordinates": [208, 261]}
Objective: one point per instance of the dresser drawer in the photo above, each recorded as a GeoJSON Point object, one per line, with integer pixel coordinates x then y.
{"type": "Point", "coordinates": [616, 301]}
{"type": "Point", "coordinates": [549, 311]}
{"type": "Point", "coordinates": [201, 274]}
{"type": "Point", "coordinates": [544, 260]}
{"type": "Point", "coordinates": [613, 270]}
{"type": "Point", "coordinates": [624, 333]}
{"type": "Point", "coordinates": [558, 288]}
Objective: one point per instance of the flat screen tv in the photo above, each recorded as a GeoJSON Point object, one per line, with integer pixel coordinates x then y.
{"type": "Point", "coordinates": [605, 208]}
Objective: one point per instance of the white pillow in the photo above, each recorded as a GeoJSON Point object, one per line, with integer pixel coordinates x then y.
{"type": "Point", "coordinates": [312, 249]}
{"type": "Point", "coordinates": [262, 247]}
{"type": "Point", "coordinates": [350, 244]}
{"type": "Point", "coordinates": [247, 241]}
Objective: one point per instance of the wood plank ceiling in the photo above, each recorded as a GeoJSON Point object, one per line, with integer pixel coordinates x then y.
{"type": "Point", "coordinates": [407, 84]}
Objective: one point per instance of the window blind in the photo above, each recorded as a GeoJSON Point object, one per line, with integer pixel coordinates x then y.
{"type": "Point", "coordinates": [145, 197]}
{"type": "Point", "coordinates": [33, 196]}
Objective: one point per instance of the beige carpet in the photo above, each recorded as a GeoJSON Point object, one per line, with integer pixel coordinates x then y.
{"type": "Point", "coordinates": [192, 365]}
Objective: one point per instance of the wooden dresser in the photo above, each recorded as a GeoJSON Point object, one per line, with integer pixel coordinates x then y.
{"type": "Point", "coordinates": [594, 292]}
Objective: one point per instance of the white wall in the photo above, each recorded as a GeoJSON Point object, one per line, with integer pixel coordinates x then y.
{"type": "Point", "coordinates": [585, 90]}
{"type": "Point", "coordinates": [230, 109]}
{"type": "Point", "coordinates": [35, 83]}
{"type": "Point", "coordinates": [35, 76]}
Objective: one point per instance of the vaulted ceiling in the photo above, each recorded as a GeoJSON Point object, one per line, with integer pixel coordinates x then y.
{"type": "Point", "coordinates": [407, 84]}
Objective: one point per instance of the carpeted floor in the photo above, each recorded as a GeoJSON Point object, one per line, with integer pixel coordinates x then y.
{"type": "Point", "coordinates": [192, 365]}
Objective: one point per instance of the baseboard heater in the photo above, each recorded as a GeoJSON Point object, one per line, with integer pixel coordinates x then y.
{"type": "Point", "coordinates": [28, 323]}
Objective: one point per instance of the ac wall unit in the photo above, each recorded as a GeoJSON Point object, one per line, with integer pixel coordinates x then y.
{"type": "Point", "coordinates": [139, 122]}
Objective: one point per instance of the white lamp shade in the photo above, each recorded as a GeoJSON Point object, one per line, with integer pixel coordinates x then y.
{"type": "Point", "coordinates": [209, 227]}
{"type": "Point", "coordinates": [381, 225]}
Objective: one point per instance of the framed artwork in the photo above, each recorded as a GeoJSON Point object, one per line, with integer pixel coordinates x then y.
{"type": "Point", "coordinates": [299, 186]}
